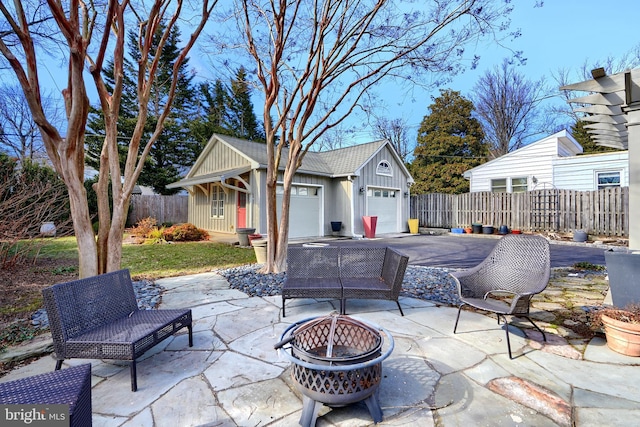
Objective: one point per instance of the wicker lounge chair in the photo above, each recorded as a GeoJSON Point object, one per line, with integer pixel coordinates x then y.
{"type": "Point", "coordinates": [504, 283]}
{"type": "Point", "coordinates": [98, 318]}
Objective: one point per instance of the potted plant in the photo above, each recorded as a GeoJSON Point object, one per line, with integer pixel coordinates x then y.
{"type": "Point", "coordinates": [621, 328]}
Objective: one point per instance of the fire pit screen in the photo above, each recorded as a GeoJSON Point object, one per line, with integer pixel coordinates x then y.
{"type": "Point", "coordinates": [337, 360]}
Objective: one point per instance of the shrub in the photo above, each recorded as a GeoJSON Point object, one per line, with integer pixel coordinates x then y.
{"type": "Point", "coordinates": [144, 227]}
{"type": "Point", "coordinates": [185, 233]}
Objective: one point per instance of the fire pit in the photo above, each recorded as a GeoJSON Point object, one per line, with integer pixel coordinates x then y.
{"type": "Point", "coordinates": [337, 361]}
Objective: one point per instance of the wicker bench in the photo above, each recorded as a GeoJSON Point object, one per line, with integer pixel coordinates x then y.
{"type": "Point", "coordinates": [98, 318]}
{"type": "Point", "coordinates": [344, 273]}
{"type": "Point", "coordinates": [70, 387]}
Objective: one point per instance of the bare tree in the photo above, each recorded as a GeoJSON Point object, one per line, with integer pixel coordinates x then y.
{"type": "Point", "coordinates": [564, 77]}
{"type": "Point", "coordinates": [394, 131]}
{"type": "Point", "coordinates": [506, 104]}
{"type": "Point", "coordinates": [19, 134]}
{"type": "Point", "coordinates": [315, 60]}
{"type": "Point", "coordinates": [75, 25]}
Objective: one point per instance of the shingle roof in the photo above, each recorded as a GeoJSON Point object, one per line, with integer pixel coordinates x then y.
{"type": "Point", "coordinates": [342, 161]}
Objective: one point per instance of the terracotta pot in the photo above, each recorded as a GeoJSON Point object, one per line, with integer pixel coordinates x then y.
{"type": "Point", "coordinates": [622, 337]}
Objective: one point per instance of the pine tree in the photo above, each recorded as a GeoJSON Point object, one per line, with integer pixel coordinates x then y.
{"type": "Point", "coordinates": [582, 136]}
{"type": "Point", "coordinates": [212, 114]}
{"type": "Point", "coordinates": [227, 110]}
{"type": "Point", "coordinates": [176, 149]}
{"type": "Point", "coordinates": [242, 118]}
{"type": "Point", "coordinates": [450, 141]}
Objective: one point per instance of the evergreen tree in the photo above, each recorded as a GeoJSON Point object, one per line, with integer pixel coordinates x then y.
{"type": "Point", "coordinates": [588, 144]}
{"type": "Point", "coordinates": [242, 118]}
{"type": "Point", "coordinates": [212, 114]}
{"type": "Point", "coordinates": [227, 111]}
{"type": "Point", "coordinates": [176, 149]}
{"type": "Point", "coordinates": [450, 141]}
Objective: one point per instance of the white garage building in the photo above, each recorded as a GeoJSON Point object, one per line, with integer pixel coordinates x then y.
{"type": "Point", "coordinates": [227, 189]}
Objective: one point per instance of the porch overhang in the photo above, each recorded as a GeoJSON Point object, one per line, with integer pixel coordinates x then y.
{"type": "Point", "coordinates": [211, 177]}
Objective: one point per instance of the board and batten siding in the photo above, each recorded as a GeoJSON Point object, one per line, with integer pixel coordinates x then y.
{"type": "Point", "coordinates": [218, 158]}
{"type": "Point", "coordinates": [340, 210]}
{"type": "Point", "coordinates": [368, 178]}
{"type": "Point", "coordinates": [580, 172]}
{"type": "Point", "coordinates": [200, 211]}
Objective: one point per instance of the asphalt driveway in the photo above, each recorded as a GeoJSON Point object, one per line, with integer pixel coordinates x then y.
{"type": "Point", "coordinates": [467, 251]}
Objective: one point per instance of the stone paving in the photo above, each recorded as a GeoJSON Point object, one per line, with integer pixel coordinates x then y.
{"type": "Point", "coordinates": [232, 376]}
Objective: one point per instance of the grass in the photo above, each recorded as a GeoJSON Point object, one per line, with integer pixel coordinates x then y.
{"type": "Point", "coordinates": [60, 263]}
{"type": "Point", "coordinates": [162, 260]}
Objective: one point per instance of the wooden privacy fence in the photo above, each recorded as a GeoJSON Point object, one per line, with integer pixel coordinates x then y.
{"type": "Point", "coordinates": [603, 212]}
{"type": "Point", "coordinates": [165, 209]}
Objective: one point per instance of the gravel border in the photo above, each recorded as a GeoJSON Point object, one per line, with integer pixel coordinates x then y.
{"type": "Point", "coordinates": [427, 283]}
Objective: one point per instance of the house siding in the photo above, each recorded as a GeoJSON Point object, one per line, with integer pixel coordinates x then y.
{"type": "Point", "coordinates": [338, 175]}
{"type": "Point", "coordinates": [218, 158]}
{"type": "Point", "coordinates": [579, 172]}
{"type": "Point", "coordinates": [369, 178]}
{"type": "Point", "coordinates": [534, 160]}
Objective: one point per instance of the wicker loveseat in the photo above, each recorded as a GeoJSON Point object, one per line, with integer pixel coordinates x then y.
{"type": "Point", "coordinates": [98, 318]}
{"type": "Point", "coordinates": [70, 387]}
{"type": "Point", "coordinates": [344, 273]}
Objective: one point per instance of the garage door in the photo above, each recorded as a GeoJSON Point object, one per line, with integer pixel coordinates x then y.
{"type": "Point", "coordinates": [383, 203]}
{"type": "Point", "coordinates": [304, 211]}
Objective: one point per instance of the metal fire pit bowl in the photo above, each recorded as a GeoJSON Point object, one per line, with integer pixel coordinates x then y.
{"type": "Point", "coordinates": [337, 361]}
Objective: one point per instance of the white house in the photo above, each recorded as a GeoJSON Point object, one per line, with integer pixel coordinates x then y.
{"type": "Point", "coordinates": [552, 162]}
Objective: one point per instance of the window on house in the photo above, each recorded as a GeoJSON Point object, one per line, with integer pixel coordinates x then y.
{"type": "Point", "coordinates": [499, 185]}
{"type": "Point", "coordinates": [384, 168]}
{"type": "Point", "coordinates": [608, 179]}
{"type": "Point", "coordinates": [217, 202]}
{"type": "Point", "coordinates": [518, 185]}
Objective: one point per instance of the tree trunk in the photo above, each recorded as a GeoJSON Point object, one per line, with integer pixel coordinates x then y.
{"type": "Point", "coordinates": [87, 247]}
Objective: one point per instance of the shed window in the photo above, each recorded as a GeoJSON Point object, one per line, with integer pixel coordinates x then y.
{"type": "Point", "coordinates": [518, 185]}
{"type": "Point", "coordinates": [217, 202]}
{"type": "Point", "coordinates": [499, 185]}
{"type": "Point", "coordinates": [384, 168]}
{"type": "Point", "coordinates": [608, 179]}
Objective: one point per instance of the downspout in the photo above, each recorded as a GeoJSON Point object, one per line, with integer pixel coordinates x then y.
{"type": "Point", "coordinates": [352, 206]}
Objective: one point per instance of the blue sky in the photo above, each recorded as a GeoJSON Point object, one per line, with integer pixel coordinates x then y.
{"type": "Point", "coordinates": [561, 34]}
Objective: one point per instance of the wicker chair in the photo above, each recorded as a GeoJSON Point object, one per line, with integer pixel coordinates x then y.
{"type": "Point", "coordinates": [504, 283]}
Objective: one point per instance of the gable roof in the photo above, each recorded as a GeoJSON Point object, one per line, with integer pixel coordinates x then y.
{"type": "Point", "coordinates": [564, 138]}
{"type": "Point", "coordinates": [340, 162]}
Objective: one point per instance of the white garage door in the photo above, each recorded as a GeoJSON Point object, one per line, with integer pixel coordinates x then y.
{"type": "Point", "coordinates": [383, 203]}
{"type": "Point", "coordinates": [304, 211]}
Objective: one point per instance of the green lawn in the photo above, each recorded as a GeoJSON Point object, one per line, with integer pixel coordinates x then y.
{"type": "Point", "coordinates": [162, 260]}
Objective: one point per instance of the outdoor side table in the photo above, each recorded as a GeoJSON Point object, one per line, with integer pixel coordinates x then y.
{"type": "Point", "coordinates": [71, 386]}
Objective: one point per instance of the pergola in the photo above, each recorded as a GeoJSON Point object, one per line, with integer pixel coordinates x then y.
{"type": "Point", "coordinates": [613, 110]}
